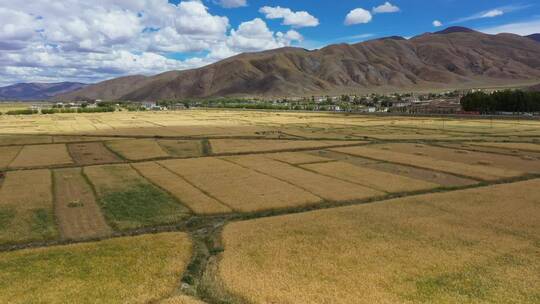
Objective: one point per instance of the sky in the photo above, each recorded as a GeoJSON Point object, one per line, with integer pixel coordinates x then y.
{"type": "Point", "coordinates": [91, 41]}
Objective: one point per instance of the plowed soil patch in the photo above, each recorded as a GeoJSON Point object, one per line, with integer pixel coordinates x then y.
{"type": "Point", "coordinates": [77, 212]}
{"type": "Point", "coordinates": [182, 148]}
{"type": "Point", "coordinates": [92, 154]}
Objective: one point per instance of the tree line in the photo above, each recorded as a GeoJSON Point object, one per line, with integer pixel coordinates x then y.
{"type": "Point", "coordinates": [502, 101]}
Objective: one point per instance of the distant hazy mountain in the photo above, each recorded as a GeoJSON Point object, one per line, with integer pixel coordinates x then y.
{"type": "Point", "coordinates": [455, 57]}
{"type": "Point", "coordinates": [535, 37]}
{"type": "Point", "coordinates": [38, 91]}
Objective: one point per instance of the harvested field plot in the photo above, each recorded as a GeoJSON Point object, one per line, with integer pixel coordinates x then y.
{"type": "Point", "coordinates": [223, 146]}
{"type": "Point", "coordinates": [483, 172]}
{"type": "Point", "coordinates": [181, 300]}
{"type": "Point", "coordinates": [371, 178]}
{"type": "Point", "coordinates": [514, 146]}
{"type": "Point", "coordinates": [130, 201]}
{"type": "Point", "coordinates": [92, 154]}
{"type": "Point", "coordinates": [7, 155]}
{"type": "Point", "coordinates": [9, 140]}
{"type": "Point", "coordinates": [239, 188]}
{"type": "Point", "coordinates": [325, 187]}
{"type": "Point", "coordinates": [75, 139]}
{"type": "Point", "coordinates": [182, 148]}
{"type": "Point", "coordinates": [464, 156]}
{"type": "Point", "coordinates": [41, 156]}
{"type": "Point", "coordinates": [467, 246]}
{"type": "Point", "coordinates": [297, 158]}
{"type": "Point", "coordinates": [186, 193]}
{"type": "Point", "coordinates": [139, 269]}
{"type": "Point", "coordinates": [137, 149]}
{"type": "Point", "coordinates": [77, 212]}
{"type": "Point", "coordinates": [439, 178]}
{"type": "Point", "coordinates": [26, 207]}
{"type": "Point", "coordinates": [527, 155]}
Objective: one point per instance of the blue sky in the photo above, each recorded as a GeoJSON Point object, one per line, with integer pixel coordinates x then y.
{"type": "Point", "coordinates": [90, 41]}
{"type": "Point", "coordinates": [414, 17]}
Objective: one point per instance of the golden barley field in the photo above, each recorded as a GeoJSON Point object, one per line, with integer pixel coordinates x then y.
{"type": "Point", "coordinates": [241, 207]}
{"type": "Point", "coordinates": [468, 246]}
{"type": "Point", "coordinates": [137, 269]}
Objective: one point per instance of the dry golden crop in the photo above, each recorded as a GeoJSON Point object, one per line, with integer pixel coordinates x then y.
{"type": "Point", "coordinates": [484, 172]}
{"type": "Point", "coordinates": [26, 207]}
{"type": "Point", "coordinates": [139, 269]}
{"type": "Point", "coordinates": [296, 158]}
{"type": "Point", "coordinates": [42, 155]}
{"type": "Point", "coordinates": [242, 145]}
{"type": "Point", "coordinates": [470, 246]}
{"type": "Point", "coordinates": [24, 139]}
{"type": "Point", "coordinates": [325, 187]}
{"type": "Point", "coordinates": [507, 145]}
{"type": "Point", "coordinates": [463, 156]}
{"type": "Point", "coordinates": [7, 155]}
{"type": "Point", "coordinates": [371, 178]}
{"type": "Point", "coordinates": [137, 149]}
{"type": "Point", "coordinates": [239, 188]}
{"type": "Point", "coordinates": [186, 193]}
{"type": "Point", "coordinates": [181, 300]}
{"type": "Point", "coordinates": [440, 178]}
{"type": "Point", "coordinates": [77, 212]}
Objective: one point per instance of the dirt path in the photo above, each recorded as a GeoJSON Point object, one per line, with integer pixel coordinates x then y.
{"type": "Point", "coordinates": [77, 213]}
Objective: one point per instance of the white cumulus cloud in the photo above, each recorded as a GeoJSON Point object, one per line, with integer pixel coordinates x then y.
{"type": "Point", "coordinates": [521, 28]}
{"type": "Point", "coordinates": [387, 7]}
{"type": "Point", "coordinates": [295, 19]}
{"type": "Point", "coordinates": [89, 41]}
{"type": "Point", "coordinates": [437, 23]}
{"type": "Point", "coordinates": [358, 16]}
{"type": "Point", "coordinates": [232, 3]}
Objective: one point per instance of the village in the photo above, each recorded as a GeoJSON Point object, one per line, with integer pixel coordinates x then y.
{"type": "Point", "coordinates": [441, 103]}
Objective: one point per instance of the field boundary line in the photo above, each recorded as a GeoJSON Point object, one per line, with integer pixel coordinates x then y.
{"type": "Point", "coordinates": [161, 188]}
{"type": "Point", "coordinates": [126, 161]}
{"type": "Point", "coordinates": [299, 166]}
{"type": "Point", "coordinates": [197, 222]}
{"type": "Point", "coordinates": [274, 177]}
{"type": "Point", "coordinates": [196, 187]}
{"type": "Point", "coordinates": [418, 167]}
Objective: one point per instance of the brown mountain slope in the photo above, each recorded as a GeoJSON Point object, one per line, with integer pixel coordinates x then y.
{"type": "Point", "coordinates": [456, 57]}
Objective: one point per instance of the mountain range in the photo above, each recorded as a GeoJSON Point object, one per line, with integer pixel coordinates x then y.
{"type": "Point", "coordinates": [456, 57]}
{"type": "Point", "coordinates": [38, 91]}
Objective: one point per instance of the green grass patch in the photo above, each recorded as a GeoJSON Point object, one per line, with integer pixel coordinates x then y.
{"type": "Point", "coordinates": [6, 216]}
{"type": "Point", "coordinates": [140, 206]}
{"type": "Point", "coordinates": [471, 284]}
{"type": "Point", "coordinates": [43, 224]}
